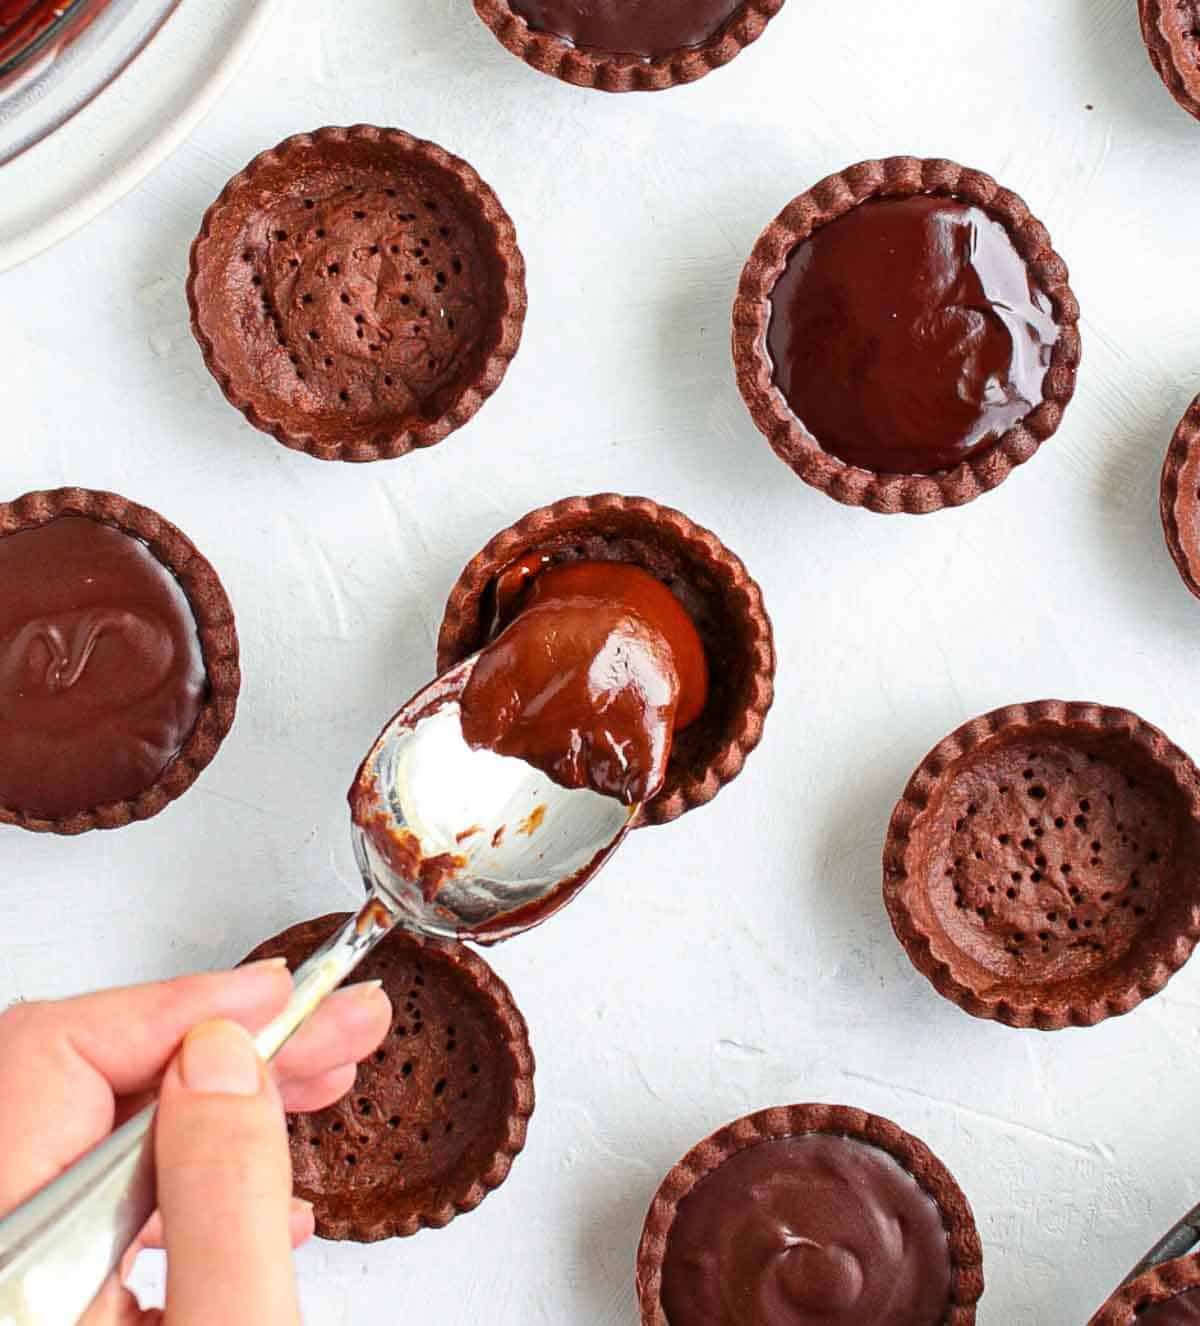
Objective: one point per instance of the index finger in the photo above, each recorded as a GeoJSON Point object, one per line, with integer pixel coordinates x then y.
{"type": "Point", "coordinates": [128, 1035]}
{"type": "Point", "coordinates": [61, 1063]}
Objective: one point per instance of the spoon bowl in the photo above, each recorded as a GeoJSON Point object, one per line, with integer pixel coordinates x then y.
{"type": "Point", "coordinates": [465, 843]}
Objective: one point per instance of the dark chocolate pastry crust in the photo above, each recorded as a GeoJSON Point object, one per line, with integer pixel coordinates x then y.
{"type": "Point", "coordinates": [437, 1114]}
{"type": "Point", "coordinates": [966, 1253]}
{"type": "Point", "coordinates": [214, 624]}
{"type": "Point", "coordinates": [898, 177]}
{"type": "Point", "coordinates": [368, 156]}
{"type": "Point", "coordinates": [610, 72]}
{"type": "Point", "coordinates": [1170, 28]}
{"type": "Point", "coordinates": [711, 583]}
{"type": "Point", "coordinates": [1179, 501]}
{"type": "Point", "coordinates": [1102, 793]}
{"type": "Point", "coordinates": [1160, 1285]}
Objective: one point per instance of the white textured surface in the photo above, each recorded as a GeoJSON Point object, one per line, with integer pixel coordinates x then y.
{"type": "Point", "coordinates": [739, 958]}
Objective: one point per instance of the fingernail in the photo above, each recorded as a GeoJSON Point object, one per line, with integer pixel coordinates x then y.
{"type": "Point", "coordinates": [218, 1058]}
{"type": "Point", "coordinates": [267, 963]}
{"type": "Point", "coordinates": [368, 989]}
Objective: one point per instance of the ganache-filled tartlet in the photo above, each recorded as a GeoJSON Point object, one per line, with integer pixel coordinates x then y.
{"type": "Point", "coordinates": [632, 46]}
{"type": "Point", "coordinates": [1171, 30]}
{"type": "Point", "coordinates": [357, 293]}
{"type": "Point", "coordinates": [1043, 865]}
{"type": "Point", "coordinates": [722, 603]}
{"type": "Point", "coordinates": [438, 1113]}
{"type": "Point", "coordinates": [591, 670]}
{"type": "Point", "coordinates": [904, 335]}
{"type": "Point", "coordinates": [807, 1215]}
{"type": "Point", "coordinates": [1168, 1295]}
{"type": "Point", "coordinates": [1179, 500]}
{"type": "Point", "coordinates": [119, 669]}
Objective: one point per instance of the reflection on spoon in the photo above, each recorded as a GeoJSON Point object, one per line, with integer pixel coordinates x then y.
{"type": "Point", "coordinates": [465, 843]}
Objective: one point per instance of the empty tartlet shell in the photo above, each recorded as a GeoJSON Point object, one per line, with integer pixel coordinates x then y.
{"type": "Point", "coordinates": [713, 750]}
{"type": "Point", "coordinates": [401, 1212]}
{"type": "Point", "coordinates": [609, 71]}
{"type": "Point", "coordinates": [493, 229]}
{"type": "Point", "coordinates": [214, 626]}
{"type": "Point", "coordinates": [1106, 992]}
{"type": "Point", "coordinates": [1179, 500]}
{"type": "Point", "coordinates": [898, 177]}
{"type": "Point", "coordinates": [1166, 42]}
{"type": "Point", "coordinates": [1160, 1285]}
{"type": "Point", "coordinates": [966, 1252]}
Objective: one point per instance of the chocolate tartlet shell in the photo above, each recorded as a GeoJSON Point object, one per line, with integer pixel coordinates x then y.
{"type": "Point", "coordinates": [1160, 1285]}
{"type": "Point", "coordinates": [898, 177]}
{"type": "Point", "coordinates": [966, 1253]}
{"type": "Point", "coordinates": [214, 625]}
{"type": "Point", "coordinates": [1108, 797]}
{"type": "Point", "coordinates": [365, 428]}
{"type": "Point", "coordinates": [712, 583]}
{"type": "Point", "coordinates": [1179, 501]}
{"type": "Point", "coordinates": [609, 71]}
{"type": "Point", "coordinates": [1169, 28]}
{"type": "Point", "coordinates": [438, 1113]}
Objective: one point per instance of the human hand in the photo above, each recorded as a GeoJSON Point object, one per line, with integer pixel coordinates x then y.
{"type": "Point", "coordinates": [71, 1071]}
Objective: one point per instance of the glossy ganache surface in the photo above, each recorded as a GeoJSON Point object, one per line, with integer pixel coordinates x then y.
{"type": "Point", "coordinates": [908, 334]}
{"type": "Point", "coordinates": [101, 672]}
{"type": "Point", "coordinates": [815, 1230]}
{"type": "Point", "coordinates": [648, 29]}
{"type": "Point", "coordinates": [1182, 1310]}
{"type": "Point", "coordinates": [592, 668]}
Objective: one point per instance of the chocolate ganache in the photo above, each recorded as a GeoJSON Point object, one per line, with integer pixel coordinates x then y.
{"type": "Point", "coordinates": [101, 672]}
{"type": "Point", "coordinates": [594, 667]}
{"type": "Point", "coordinates": [908, 334]}
{"type": "Point", "coordinates": [649, 29]}
{"type": "Point", "coordinates": [814, 1230]}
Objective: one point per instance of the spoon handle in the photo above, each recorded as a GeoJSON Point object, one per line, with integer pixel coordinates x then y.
{"type": "Point", "coordinates": [58, 1248]}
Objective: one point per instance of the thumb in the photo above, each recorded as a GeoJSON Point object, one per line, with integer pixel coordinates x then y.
{"type": "Point", "coordinates": [224, 1185]}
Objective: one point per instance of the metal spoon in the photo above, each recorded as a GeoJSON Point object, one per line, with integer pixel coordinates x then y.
{"type": "Point", "coordinates": [451, 842]}
{"type": "Point", "coordinates": [1181, 1239]}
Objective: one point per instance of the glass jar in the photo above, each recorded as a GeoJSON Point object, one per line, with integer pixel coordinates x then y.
{"type": "Point", "coordinates": [56, 55]}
